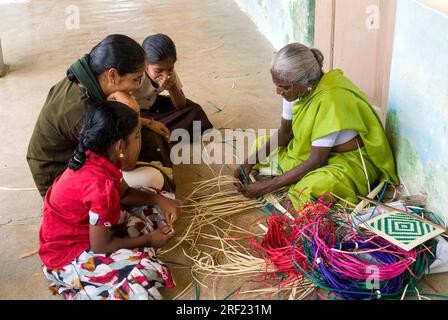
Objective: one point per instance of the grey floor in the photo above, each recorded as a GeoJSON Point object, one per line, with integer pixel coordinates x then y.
{"type": "Point", "coordinates": [223, 61]}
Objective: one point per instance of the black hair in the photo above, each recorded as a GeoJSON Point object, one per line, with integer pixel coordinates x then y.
{"type": "Point", "coordinates": [115, 51]}
{"type": "Point", "coordinates": [159, 47]}
{"type": "Point", "coordinates": [104, 124]}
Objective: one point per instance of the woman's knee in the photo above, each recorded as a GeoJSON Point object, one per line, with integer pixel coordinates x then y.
{"type": "Point", "coordinates": [318, 184]}
{"type": "Point", "coordinates": [154, 148]}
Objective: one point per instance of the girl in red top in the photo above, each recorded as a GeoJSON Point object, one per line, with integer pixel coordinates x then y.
{"type": "Point", "coordinates": [84, 257]}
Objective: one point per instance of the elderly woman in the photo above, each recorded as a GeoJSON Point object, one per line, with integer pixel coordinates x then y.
{"type": "Point", "coordinates": [330, 139]}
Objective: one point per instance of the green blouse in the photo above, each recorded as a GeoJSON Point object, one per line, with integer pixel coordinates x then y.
{"type": "Point", "coordinates": [55, 134]}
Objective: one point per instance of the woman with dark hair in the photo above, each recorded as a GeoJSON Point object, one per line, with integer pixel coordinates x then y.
{"type": "Point", "coordinates": [87, 206]}
{"type": "Point", "coordinates": [175, 111]}
{"type": "Point", "coordinates": [116, 64]}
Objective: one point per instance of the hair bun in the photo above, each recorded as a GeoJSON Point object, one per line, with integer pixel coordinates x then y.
{"type": "Point", "coordinates": [319, 56]}
{"type": "Point", "coordinates": [71, 76]}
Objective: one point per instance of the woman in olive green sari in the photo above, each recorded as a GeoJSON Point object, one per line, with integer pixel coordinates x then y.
{"type": "Point", "coordinates": [330, 139]}
{"type": "Point", "coordinates": [116, 64]}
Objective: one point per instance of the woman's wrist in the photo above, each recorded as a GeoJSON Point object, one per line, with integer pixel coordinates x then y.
{"type": "Point", "coordinates": [153, 199]}
{"type": "Point", "coordinates": [148, 239]}
{"type": "Point", "coordinates": [275, 184]}
{"type": "Point", "coordinates": [148, 121]}
{"type": "Point", "coordinates": [177, 97]}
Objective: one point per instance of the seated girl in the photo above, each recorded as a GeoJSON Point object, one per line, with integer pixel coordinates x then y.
{"type": "Point", "coordinates": [88, 207]}
{"type": "Point", "coordinates": [175, 111]}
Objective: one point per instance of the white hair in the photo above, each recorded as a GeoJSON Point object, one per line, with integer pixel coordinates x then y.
{"type": "Point", "coordinates": [296, 63]}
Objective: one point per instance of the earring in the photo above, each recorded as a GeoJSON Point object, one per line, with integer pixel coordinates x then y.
{"type": "Point", "coordinates": [310, 88]}
{"type": "Point", "coordinates": [121, 155]}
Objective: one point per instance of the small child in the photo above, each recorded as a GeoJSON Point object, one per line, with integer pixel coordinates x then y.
{"type": "Point", "coordinates": [79, 245]}
{"type": "Point", "coordinates": [174, 111]}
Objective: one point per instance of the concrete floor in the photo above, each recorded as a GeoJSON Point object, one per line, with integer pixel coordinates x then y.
{"type": "Point", "coordinates": [223, 59]}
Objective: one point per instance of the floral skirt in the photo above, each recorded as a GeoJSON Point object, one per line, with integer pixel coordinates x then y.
{"type": "Point", "coordinates": [122, 275]}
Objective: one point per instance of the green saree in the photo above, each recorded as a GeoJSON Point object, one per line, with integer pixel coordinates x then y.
{"type": "Point", "coordinates": [336, 104]}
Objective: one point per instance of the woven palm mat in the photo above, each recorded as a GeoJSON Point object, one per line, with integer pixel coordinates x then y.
{"type": "Point", "coordinates": [402, 230]}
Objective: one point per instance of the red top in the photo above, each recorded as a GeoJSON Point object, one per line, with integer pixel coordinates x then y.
{"type": "Point", "coordinates": [77, 198]}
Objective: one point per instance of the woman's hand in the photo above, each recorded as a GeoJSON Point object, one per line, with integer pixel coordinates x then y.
{"type": "Point", "coordinates": [247, 168]}
{"type": "Point", "coordinates": [125, 98]}
{"type": "Point", "coordinates": [255, 190]}
{"type": "Point", "coordinates": [159, 237]}
{"type": "Point", "coordinates": [170, 209]}
{"type": "Point", "coordinates": [158, 127]}
{"type": "Point", "coordinates": [166, 81]}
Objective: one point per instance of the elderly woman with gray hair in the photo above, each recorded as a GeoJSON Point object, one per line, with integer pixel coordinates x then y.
{"type": "Point", "coordinates": [330, 139]}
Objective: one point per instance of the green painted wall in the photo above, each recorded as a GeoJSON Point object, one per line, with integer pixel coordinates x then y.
{"type": "Point", "coordinates": [282, 21]}
{"type": "Point", "coordinates": [417, 120]}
